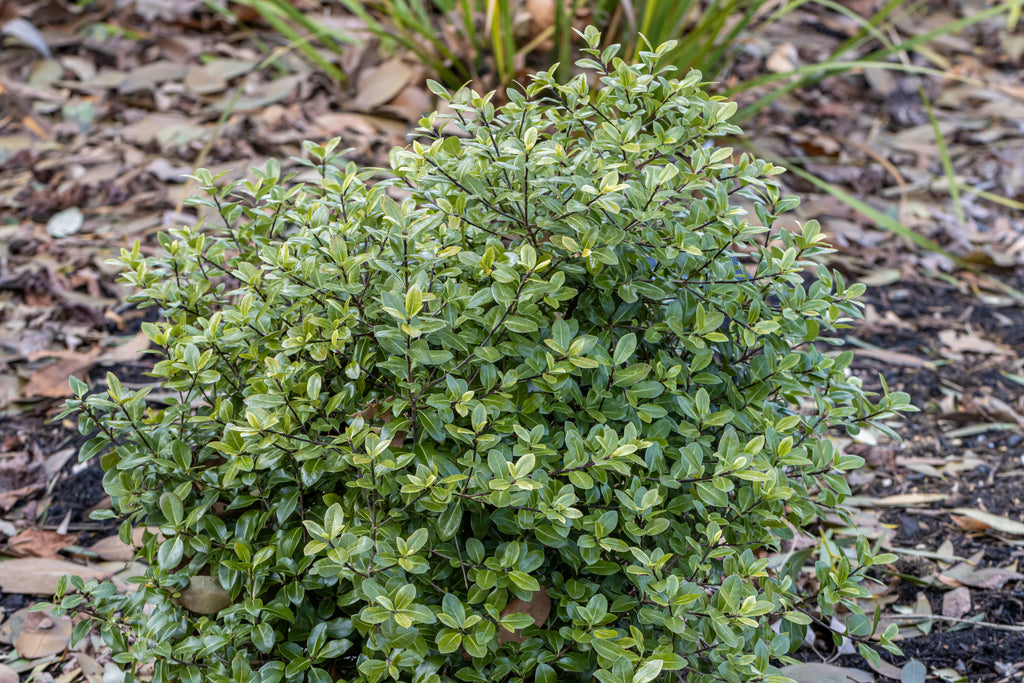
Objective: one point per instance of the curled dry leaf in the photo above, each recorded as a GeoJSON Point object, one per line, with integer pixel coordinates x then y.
{"type": "Point", "coordinates": [968, 523]}
{"type": "Point", "coordinates": [204, 595]}
{"type": "Point", "coordinates": [538, 607]}
{"type": "Point", "coordinates": [39, 543]}
{"type": "Point", "coordinates": [26, 32]}
{"type": "Point", "coordinates": [988, 520]}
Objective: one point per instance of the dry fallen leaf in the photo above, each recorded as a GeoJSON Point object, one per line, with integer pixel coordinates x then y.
{"type": "Point", "coordinates": [91, 669]}
{"type": "Point", "coordinates": [26, 32]}
{"type": "Point", "coordinates": [958, 344]}
{"type": "Point", "coordinates": [145, 77]}
{"type": "Point", "coordinates": [7, 674]}
{"type": "Point", "coordinates": [411, 104]}
{"type": "Point", "coordinates": [39, 576]}
{"type": "Point", "coordinates": [335, 123]}
{"type": "Point", "coordinates": [946, 553]}
{"type": "Point", "coordinates": [923, 606]}
{"type": "Point", "coordinates": [783, 59]}
{"type": "Point", "coordinates": [542, 15]}
{"type": "Point", "coordinates": [956, 603]}
{"type": "Point", "coordinates": [65, 223]}
{"type": "Point", "coordinates": [816, 672]}
{"type": "Point", "coordinates": [988, 520]}
{"type": "Point", "coordinates": [881, 81]}
{"type": "Point", "coordinates": [203, 79]}
{"type": "Point", "coordinates": [538, 607]}
{"type": "Point", "coordinates": [204, 595]}
{"type": "Point", "coordinates": [128, 351]}
{"type": "Point", "coordinates": [38, 543]}
{"type": "Point", "coordinates": [894, 357]}
{"type": "Point", "coordinates": [51, 381]}
{"type": "Point", "coordinates": [380, 84]}
{"type": "Point", "coordinates": [909, 499]}
{"type": "Point", "coordinates": [9, 499]}
{"type": "Point", "coordinates": [169, 130]}
{"type": "Point", "coordinates": [263, 95]}
{"type": "Point", "coordinates": [20, 476]}
{"type": "Point", "coordinates": [968, 523]}
{"type": "Point", "coordinates": [9, 629]}
{"type": "Point", "coordinates": [125, 571]}
{"type": "Point", "coordinates": [885, 669]}
{"type": "Point", "coordinates": [42, 635]}
{"type": "Point", "coordinates": [992, 578]}
{"type": "Point", "coordinates": [113, 550]}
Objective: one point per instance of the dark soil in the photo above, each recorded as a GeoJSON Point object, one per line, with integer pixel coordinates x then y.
{"type": "Point", "coordinates": [917, 311]}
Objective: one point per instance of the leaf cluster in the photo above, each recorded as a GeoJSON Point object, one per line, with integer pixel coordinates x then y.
{"type": "Point", "coordinates": [563, 355]}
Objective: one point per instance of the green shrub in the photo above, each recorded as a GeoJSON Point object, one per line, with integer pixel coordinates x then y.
{"type": "Point", "coordinates": [546, 417]}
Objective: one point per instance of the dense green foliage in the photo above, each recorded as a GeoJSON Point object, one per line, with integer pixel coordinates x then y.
{"type": "Point", "coordinates": [562, 366]}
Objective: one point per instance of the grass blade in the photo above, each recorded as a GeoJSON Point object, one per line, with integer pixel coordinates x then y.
{"type": "Point", "coordinates": [272, 15]}
{"type": "Point", "coordinates": [894, 226]}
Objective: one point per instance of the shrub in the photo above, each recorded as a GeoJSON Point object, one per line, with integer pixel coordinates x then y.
{"type": "Point", "coordinates": [547, 416]}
